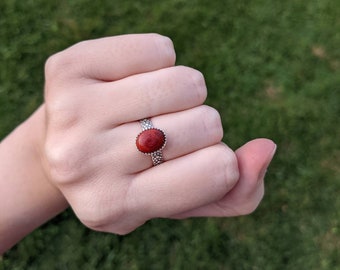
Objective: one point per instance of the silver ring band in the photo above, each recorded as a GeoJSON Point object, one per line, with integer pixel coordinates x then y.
{"type": "Point", "coordinates": [151, 141]}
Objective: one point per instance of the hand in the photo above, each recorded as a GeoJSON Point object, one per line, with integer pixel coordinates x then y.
{"type": "Point", "coordinates": [95, 93]}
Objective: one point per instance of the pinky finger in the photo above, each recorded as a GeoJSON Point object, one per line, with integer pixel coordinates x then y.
{"type": "Point", "coordinates": [253, 159]}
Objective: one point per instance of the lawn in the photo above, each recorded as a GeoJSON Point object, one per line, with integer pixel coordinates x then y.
{"type": "Point", "coordinates": [272, 70]}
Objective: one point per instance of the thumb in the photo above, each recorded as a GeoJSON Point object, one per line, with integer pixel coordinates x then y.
{"type": "Point", "coordinates": [253, 159]}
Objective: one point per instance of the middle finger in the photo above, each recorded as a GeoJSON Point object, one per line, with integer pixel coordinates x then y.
{"type": "Point", "coordinates": [145, 95]}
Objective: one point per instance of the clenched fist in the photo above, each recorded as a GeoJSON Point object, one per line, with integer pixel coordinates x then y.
{"type": "Point", "coordinates": [95, 94]}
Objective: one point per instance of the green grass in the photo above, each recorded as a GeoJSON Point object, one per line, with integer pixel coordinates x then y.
{"type": "Point", "coordinates": [272, 69]}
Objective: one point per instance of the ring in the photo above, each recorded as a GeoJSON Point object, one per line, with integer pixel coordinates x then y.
{"type": "Point", "coordinates": [151, 141]}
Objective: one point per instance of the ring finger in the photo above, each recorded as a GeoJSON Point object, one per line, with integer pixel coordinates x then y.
{"type": "Point", "coordinates": [186, 131]}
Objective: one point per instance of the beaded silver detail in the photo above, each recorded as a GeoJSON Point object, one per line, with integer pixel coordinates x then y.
{"type": "Point", "coordinates": [146, 124]}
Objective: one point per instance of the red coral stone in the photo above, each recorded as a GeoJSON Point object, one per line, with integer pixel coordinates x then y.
{"type": "Point", "coordinates": [150, 140]}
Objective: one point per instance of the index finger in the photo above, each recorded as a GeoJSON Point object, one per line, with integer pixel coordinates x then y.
{"type": "Point", "coordinates": [113, 58]}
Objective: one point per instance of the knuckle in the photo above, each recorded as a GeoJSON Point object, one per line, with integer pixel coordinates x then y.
{"type": "Point", "coordinates": [110, 219]}
{"type": "Point", "coordinates": [94, 221]}
{"type": "Point", "coordinates": [198, 82]}
{"type": "Point", "coordinates": [64, 63]}
{"type": "Point", "coordinates": [165, 47]}
{"type": "Point", "coordinates": [59, 68]}
{"type": "Point", "coordinates": [64, 161]}
{"type": "Point", "coordinates": [194, 82]}
{"type": "Point", "coordinates": [211, 121]}
{"type": "Point", "coordinates": [226, 166]}
{"type": "Point", "coordinates": [62, 112]}
{"type": "Point", "coordinates": [101, 220]}
{"type": "Point", "coordinates": [51, 65]}
{"type": "Point", "coordinates": [56, 66]}
{"type": "Point", "coordinates": [125, 227]}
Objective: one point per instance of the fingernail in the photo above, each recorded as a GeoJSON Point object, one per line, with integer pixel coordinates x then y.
{"type": "Point", "coordinates": [265, 168]}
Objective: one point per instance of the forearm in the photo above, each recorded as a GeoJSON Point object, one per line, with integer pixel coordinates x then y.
{"type": "Point", "coordinates": [28, 199]}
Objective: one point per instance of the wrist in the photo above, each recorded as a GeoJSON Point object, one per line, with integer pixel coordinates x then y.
{"type": "Point", "coordinates": [28, 199]}
{"type": "Point", "coordinates": [35, 128]}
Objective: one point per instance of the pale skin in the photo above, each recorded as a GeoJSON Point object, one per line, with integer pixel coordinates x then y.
{"type": "Point", "coordinates": [78, 149]}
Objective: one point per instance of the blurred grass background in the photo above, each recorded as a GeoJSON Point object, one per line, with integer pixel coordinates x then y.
{"type": "Point", "coordinates": [272, 70]}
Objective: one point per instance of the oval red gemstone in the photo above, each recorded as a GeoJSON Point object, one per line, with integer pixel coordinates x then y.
{"type": "Point", "coordinates": [150, 140]}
